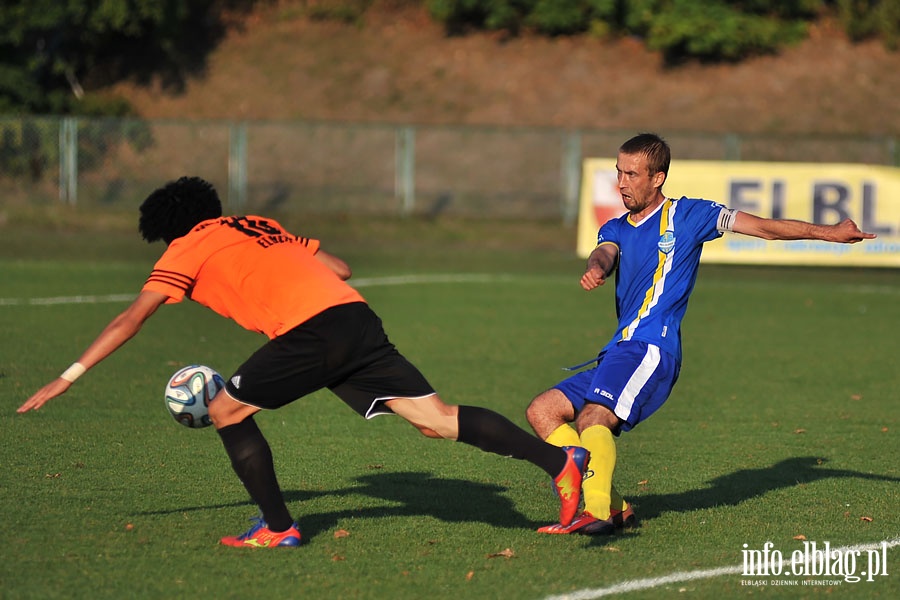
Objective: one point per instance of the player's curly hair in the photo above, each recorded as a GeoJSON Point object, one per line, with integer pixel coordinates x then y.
{"type": "Point", "coordinates": [174, 209]}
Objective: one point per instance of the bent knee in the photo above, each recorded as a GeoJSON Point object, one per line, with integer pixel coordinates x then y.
{"type": "Point", "coordinates": [225, 410]}
{"type": "Point", "coordinates": [551, 404]}
{"type": "Point", "coordinates": [428, 432]}
{"type": "Point", "coordinates": [430, 415]}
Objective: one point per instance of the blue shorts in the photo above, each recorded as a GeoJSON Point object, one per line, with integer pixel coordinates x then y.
{"type": "Point", "coordinates": [632, 379]}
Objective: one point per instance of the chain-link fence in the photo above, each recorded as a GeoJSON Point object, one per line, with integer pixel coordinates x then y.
{"type": "Point", "coordinates": [325, 167]}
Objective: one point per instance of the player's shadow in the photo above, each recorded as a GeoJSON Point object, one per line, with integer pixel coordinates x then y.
{"type": "Point", "coordinates": [743, 485]}
{"type": "Point", "coordinates": [738, 487]}
{"type": "Point", "coordinates": [418, 494]}
{"type": "Point", "coordinates": [404, 494]}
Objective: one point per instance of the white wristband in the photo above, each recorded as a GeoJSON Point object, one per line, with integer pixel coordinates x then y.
{"type": "Point", "coordinates": [74, 372]}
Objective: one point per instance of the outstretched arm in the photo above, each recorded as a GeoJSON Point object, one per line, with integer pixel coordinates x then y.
{"type": "Point", "coordinates": [845, 232]}
{"type": "Point", "coordinates": [334, 263]}
{"type": "Point", "coordinates": [120, 330]}
{"type": "Point", "coordinates": [600, 264]}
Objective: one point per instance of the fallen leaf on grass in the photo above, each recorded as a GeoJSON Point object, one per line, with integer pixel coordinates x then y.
{"type": "Point", "coordinates": [866, 519]}
{"type": "Point", "coordinates": [337, 558]}
{"type": "Point", "coordinates": [800, 537]}
{"type": "Point", "coordinates": [129, 527]}
{"type": "Point", "coordinates": [341, 533]}
{"type": "Point", "coordinates": [470, 575]}
{"type": "Point", "coordinates": [801, 430]}
{"type": "Point", "coordinates": [856, 397]}
{"type": "Point", "coordinates": [643, 482]}
{"type": "Point", "coordinates": [612, 549]}
{"type": "Point", "coordinates": [508, 553]}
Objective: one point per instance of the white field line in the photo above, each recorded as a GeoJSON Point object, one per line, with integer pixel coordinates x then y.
{"type": "Point", "coordinates": [635, 585]}
{"type": "Point", "coordinates": [434, 278]}
{"type": "Point", "coordinates": [66, 300]}
{"type": "Point", "coordinates": [360, 283]}
{"type": "Point", "coordinates": [396, 280]}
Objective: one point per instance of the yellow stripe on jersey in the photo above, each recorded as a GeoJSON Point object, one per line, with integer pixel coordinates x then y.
{"type": "Point", "coordinates": [605, 243]}
{"type": "Point", "coordinates": [664, 262]}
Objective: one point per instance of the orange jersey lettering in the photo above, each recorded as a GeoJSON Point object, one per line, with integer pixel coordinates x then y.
{"type": "Point", "coordinates": [251, 270]}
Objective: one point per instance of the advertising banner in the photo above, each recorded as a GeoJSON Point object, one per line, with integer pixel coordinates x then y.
{"type": "Point", "coordinates": [819, 193]}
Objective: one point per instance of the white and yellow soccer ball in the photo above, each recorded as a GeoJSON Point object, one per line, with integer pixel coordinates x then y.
{"type": "Point", "coordinates": [189, 392]}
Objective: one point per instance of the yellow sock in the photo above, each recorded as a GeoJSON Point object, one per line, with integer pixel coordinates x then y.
{"type": "Point", "coordinates": [564, 435]}
{"type": "Point", "coordinates": [617, 502]}
{"type": "Point", "coordinates": [597, 489]}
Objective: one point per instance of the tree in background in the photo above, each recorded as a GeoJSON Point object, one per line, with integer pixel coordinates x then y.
{"type": "Point", "coordinates": [52, 52]}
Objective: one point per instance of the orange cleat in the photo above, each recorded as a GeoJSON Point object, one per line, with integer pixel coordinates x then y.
{"type": "Point", "coordinates": [568, 482]}
{"type": "Point", "coordinates": [260, 536]}
{"type": "Point", "coordinates": [623, 519]}
{"type": "Point", "coordinates": [588, 524]}
{"type": "Point", "coordinates": [579, 522]}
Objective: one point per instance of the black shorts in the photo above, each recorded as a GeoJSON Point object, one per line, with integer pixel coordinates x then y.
{"type": "Point", "coordinates": [344, 349]}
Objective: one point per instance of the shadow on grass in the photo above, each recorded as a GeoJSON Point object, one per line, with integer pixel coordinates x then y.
{"type": "Point", "coordinates": [412, 493]}
{"type": "Point", "coordinates": [737, 487]}
{"type": "Point", "coordinates": [460, 501]}
{"type": "Point", "coordinates": [420, 494]}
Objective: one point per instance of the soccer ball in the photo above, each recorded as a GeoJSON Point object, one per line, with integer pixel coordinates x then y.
{"type": "Point", "coordinates": [188, 394]}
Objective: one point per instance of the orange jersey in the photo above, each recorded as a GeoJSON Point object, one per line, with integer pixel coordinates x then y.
{"type": "Point", "coordinates": [251, 270]}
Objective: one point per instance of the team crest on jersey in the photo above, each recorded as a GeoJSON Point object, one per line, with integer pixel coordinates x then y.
{"type": "Point", "coordinates": [666, 242]}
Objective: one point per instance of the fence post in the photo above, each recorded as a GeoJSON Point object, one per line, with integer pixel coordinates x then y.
{"type": "Point", "coordinates": [405, 169]}
{"type": "Point", "coordinates": [571, 176]}
{"type": "Point", "coordinates": [68, 160]}
{"type": "Point", "coordinates": [732, 146]}
{"type": "Point", "coordinates": [237, 166]}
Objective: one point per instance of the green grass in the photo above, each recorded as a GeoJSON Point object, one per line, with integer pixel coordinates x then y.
{"type": "Point", "coordinates": [784, 423]}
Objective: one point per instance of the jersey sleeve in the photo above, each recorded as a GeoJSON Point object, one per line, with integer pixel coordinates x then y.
{"type": "Point", "coordinates": [174, 273]}
{"type": "Point", "coordinates": [310, 244]}
{"type": "Point", "coordinates": [706, 218]}
{"type": "Point", "coordinates": [609, 233]}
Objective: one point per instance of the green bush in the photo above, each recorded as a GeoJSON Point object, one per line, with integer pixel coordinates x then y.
{"type": "Point", "coordinates": [460, 15]}
{"type": "Point", "coordinates": [559, 17]}
{"type": "Point", "coordinates": [863, 19]}
{"type": "Point", "coordinates": [725, 30]}
{"type": "Point", "coordinates": [714, 31]}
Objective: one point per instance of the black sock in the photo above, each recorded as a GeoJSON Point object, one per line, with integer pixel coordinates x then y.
{"type": "Point", "coordinates": [251, 459]}
{"type": "Point", "coordinates": [493, 432]}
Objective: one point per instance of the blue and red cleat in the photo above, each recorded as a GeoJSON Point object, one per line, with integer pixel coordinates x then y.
{"type": "Point", "coordinates": [588, 524]}
{"type": "Point", "coordinates": [260, 536]}
{"type": "Point", "coordinates": [568, 482]}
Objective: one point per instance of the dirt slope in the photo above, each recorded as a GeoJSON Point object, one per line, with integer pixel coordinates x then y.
{"type": "Point", "coordinates": [398, 66]}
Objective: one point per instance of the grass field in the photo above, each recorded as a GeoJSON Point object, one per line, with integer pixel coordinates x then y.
{"type": "Point", "coordinates": [784, 424]}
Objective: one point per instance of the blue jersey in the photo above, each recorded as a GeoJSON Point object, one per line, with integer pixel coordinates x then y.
{"type": "Point", "coordinates": [657, 268]}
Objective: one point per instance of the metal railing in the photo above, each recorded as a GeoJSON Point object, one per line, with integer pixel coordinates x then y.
{"type": "Point", "coordinates": [333, 167]}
